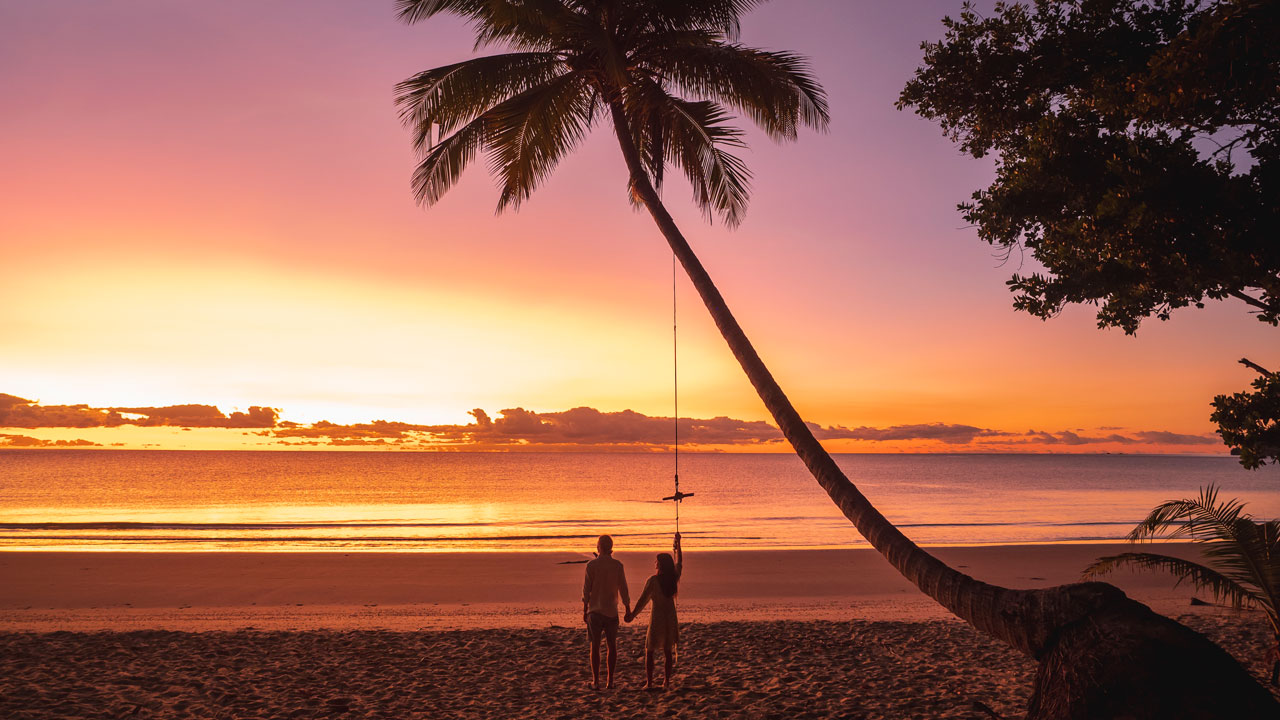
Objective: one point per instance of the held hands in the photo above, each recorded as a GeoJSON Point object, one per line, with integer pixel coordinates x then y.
{"type": "Point", "coordinates": [630, 616]}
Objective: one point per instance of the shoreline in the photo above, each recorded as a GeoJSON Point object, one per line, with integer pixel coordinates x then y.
{"type": "Point", "coordinates": [92, 591]}
{"type": "Point", "coordinates": [463, 551]}
{"type": "Point", "coordinates": [659, 452]}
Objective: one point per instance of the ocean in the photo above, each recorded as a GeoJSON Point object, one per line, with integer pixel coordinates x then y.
{"type": "Point", "coordinates": [363, 501]}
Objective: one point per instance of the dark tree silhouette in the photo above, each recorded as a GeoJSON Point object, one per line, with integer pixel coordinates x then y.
{"type": "Point", "coordinates": [1138, 160]}
{"type": "Point", "coordinates": [632, 62]}
{"type": "Point", "coordinates": [1250, 421]}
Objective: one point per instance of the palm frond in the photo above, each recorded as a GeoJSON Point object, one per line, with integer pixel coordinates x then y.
{"type": "Point", "coordinates": [1201, 576]}
{"type": "Point", "coordinates": [527, 24]}
{"type": "Point", "coordinates": [452, 95]}
{"type": "Point", "coordinates": [720, 16]}
{"type": "Point", "coordinates": [1268, 546]}
{"type": "Point", "coordinates": [721, 181]}
{"type": "Point", "coordinates": [1202, 518]}
{"type": "Point", "coordinates": [444, 162]}
{"type": "Point", "coordinates": [1240, 549]}
{"type": "Point", "coordinates": [524, 24]}
{"type": "Point", "coordinates": [529, 133]}
{"type": "Point", "coordinates": [412, 11]}
{"type": "Point", "coordinates": [777, 90]}
{"type": "Point", "coordinates": [652, 141]}
{"type": "Point", "coordinates": [1250, 555]}
{"type": "Point", "coordinates": [693, 136]}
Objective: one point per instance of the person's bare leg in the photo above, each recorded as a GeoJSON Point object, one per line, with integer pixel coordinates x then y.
{"type": "Point", "coordinates": [648, 669]}
{"type": "Point", "coordinates": [595, 663]}
{"type": "Point", "coordinates": [670, 666]}
{"type": "Point", "coordinates": [612, 642]}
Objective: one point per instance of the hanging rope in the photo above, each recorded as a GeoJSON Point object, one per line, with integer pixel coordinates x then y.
{"type": "Point", "coordinates": [675, 390]}
{"type": "Point", "coordinates": [675, 382]}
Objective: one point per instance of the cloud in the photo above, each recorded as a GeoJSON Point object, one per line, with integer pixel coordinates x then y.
{"type": "Point", "coordinates": [25, 441]}
{"type": "Point", "coordinates": [1163, 437]}
{"type": "Point", "coordinates": [378, 429]}
{"type": "Point", "coordinates": [577, 427]}
{"type": "Point", "coordinates": [589, 426]}
{"type": "Point", "coordinates": [16, 412]}
{"type": "Point", "coordinates": [1140, 437]}
{"type": "Point", "coordinates": [1067, 437]}
{"type": "Point", "coordinates": [202, 416]}
{"type": "Point", "coordinates": [942, 432]}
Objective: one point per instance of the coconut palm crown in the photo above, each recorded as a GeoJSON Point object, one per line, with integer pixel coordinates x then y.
{"type": "Point", "coordinates": [577, 61]}
{"type": "Point", "coordinates": [1243, 554]}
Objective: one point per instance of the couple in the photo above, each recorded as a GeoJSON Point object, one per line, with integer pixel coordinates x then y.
{"type": "Point", "coordinates": [604, 583]}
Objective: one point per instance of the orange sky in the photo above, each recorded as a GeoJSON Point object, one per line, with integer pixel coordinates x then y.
{"type": "Point", "coordinates": [209, 204]}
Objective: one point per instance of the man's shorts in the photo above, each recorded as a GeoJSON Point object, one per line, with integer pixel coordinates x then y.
{"type": "Point", "coordinates": [597, 623]}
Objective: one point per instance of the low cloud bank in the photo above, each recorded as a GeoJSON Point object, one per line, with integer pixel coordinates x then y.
{"type": "Point", "coordinates": [592, 429]}
{"type": "Point", "coordinates": [16, 412]}
{"type": "Point", "coordinates": [942, 432]}
{"type": "Point", "coordinates": [580, 428]}
{"type": "Point", "coordinates": [1141, 437]}
{"type": "Point", "coordinates": [24, 441]}
{"type": "Point", "coordinates": [584, 427]}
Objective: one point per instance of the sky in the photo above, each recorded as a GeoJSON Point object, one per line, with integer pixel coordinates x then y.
{"type": "Point", "coordinates": [208, 204]}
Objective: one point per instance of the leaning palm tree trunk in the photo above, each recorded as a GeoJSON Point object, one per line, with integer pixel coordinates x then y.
{"type": "Point", "coordinates": [1093, 643]}
{"type": "Point", "coordinates": [527, 109]}
{"type": "Point", "coordinates": [970, 599]}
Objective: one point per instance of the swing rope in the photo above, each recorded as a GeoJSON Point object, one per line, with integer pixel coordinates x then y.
{"type": "Point", "coordinates": [675, 383]}
{"type": "Point", "coordinates": [675, 391]}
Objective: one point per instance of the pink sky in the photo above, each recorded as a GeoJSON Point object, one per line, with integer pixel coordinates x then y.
{"type": "Point", "coordinates": [209, 203]}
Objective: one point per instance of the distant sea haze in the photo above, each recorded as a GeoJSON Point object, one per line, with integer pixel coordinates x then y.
{"type": "Point", "coordinates": [426, 502]}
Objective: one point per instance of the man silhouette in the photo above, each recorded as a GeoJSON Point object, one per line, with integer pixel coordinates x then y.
{"type": "Point", "coordinates": [604, 582]}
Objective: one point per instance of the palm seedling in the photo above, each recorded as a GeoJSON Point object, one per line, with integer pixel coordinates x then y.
{"type": "Point", "coordinates": [1242, 555]}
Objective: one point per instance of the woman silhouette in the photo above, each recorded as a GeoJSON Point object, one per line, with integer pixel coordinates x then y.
{"type": "Point", "coordinates": [664, 632]}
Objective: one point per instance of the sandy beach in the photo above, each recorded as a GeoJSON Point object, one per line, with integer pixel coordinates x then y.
{"type": "Point", "coordinates": [773, 669]}
{"type": "Point", "coordinates": [766, 634]}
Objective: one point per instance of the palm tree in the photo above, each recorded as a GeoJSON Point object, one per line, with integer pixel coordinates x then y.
{"type": "Point", "coordinates": [575, 63]}
{"type": "Point", "coordinates": [1243, 554]}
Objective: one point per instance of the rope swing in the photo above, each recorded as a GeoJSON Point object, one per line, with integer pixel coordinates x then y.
{"type": "Point", "coordinates": [675, 394]}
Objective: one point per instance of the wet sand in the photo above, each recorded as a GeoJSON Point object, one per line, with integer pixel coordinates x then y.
{"type": "Point", "coordinates": [413, 591]}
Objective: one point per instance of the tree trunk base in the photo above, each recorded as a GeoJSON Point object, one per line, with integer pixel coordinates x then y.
{"type": "Point", "coordinates": [1125, 661]}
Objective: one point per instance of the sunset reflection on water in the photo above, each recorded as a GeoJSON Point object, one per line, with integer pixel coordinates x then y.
{"type": "Point", "coordinates": [259, 501]}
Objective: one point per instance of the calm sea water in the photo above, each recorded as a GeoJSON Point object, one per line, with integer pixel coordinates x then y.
{"type": "Point", "coordinates": [155, 500]}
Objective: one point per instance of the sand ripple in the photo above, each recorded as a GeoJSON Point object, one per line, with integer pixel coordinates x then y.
{"type": "Point", "coordinates": [728, 670]}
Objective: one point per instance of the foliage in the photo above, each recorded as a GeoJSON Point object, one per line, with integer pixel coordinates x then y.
{"type": "Point", "coordinates": [1138, 152]}
{"type": "Point", "coordinates": [674, 66]}
{"type": "Point", "coordinates": [1250, 421]}
{"type": "Point", "coordinates": [1243, 554]}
